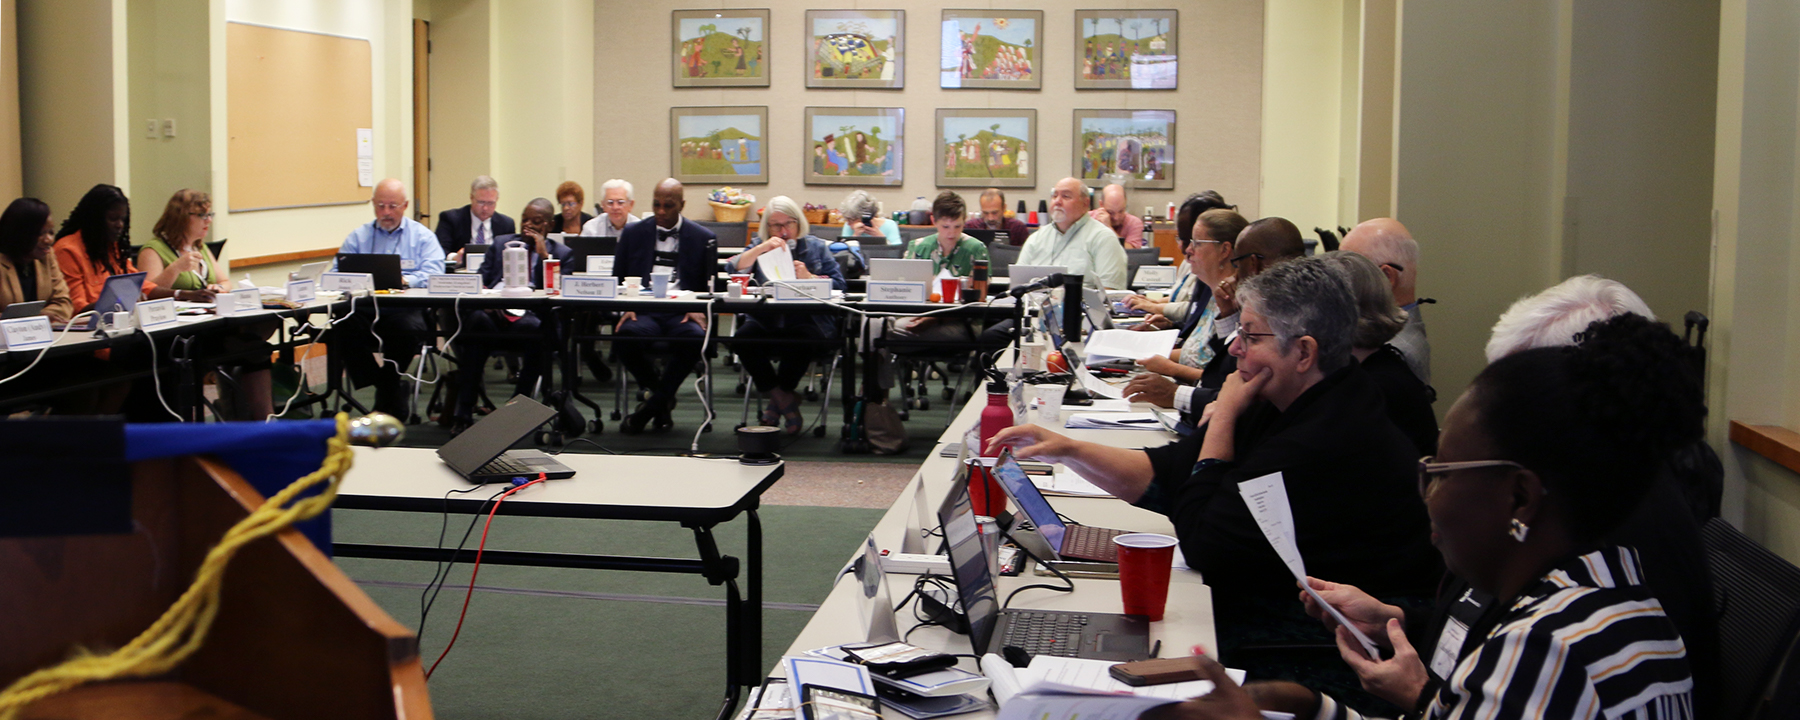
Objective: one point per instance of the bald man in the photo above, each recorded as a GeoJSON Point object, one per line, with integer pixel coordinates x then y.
{"type": "Point", "coordinates": [690, 253]}
{"type": "Point", "coordinates": [1113, 214]}
{"type": "Point", "coordinates": [401, 331]}
{"type": "Point", "coordinates": [1075, 241]}
{"type": "Point", "coordinates": [1386, 241]}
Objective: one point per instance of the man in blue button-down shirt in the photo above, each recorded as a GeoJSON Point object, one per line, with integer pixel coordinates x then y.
{"type": "Point", "coordinates": [401, 331]}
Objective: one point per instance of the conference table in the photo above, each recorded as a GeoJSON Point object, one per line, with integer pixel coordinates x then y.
{"type": "Point", "coordinates": [697, 493]}
{"type": "Point", "coordinates": [1187, 621]}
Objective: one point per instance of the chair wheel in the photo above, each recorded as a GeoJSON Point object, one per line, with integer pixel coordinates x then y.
{"type": "Point", "coordinates": [812, 395]}
{"type": "Point", "coordinates": [596, 426]}
{"type": "Point", "coordinates": [615, 415]}
{"type": "Point", "coordinates": [706, 428]}
{"type": "Point", "coordinates": [904, 414]}
{"type": "Point", "coordinates": [924, 404]}
{"type": "Point", "coordinates": [949, 394]}
{"type": "Point", "coordinates": [740, 389]}
{"type": "Point", "coordinates": [819, 431]}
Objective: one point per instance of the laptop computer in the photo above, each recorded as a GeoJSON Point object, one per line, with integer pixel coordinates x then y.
{"type": "Point", "coordinates": [1061, 540]}
{"type": "Point", "coordinates": [1098, 636]}
{"type": "Point", "coordinates": [1020, 275]}
{"type": "Point", "coordinates": [983, 234]}
{"type": "Point", "coordinates": [310, 271]}
{"type": "Point", "coordinates": [582, 247]}
{"type": "Point", "coordinates": [23, 310]}
{"type": "Point", "coordinates": [480, 453]}
{"type": "Point", "coordinates": [900, 269]}
{"type": "Point", "coordinates": [384, 267]}
{"type": "Point", "coordinates": [119, 294]}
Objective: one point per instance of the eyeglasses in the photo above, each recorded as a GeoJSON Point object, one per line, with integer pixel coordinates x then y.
{"type": "Point", "coordinates": [791, 224]}
{"type": "Point", "coordinates": [1236, 260]}
{"type": "Point", "coordinates": [1250, 338]}
{"type": "Point", "coordinates": [1429, 471]}
{"type": "Point", "coordinates": [389, 205]}
{"type": "Point", "coordinates": [206, 215]}
{"type": "Point", "coordinates": [1396, 266]}
{"type": "Point", "coordinates": [616, 203]}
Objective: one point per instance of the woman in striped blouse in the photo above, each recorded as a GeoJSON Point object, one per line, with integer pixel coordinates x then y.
{"type": "Point", "coordinates": [1547, 452]}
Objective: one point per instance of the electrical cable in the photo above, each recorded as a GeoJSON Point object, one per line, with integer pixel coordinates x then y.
{"type": "Point", "coordinates": [476, 570]}
{"type": "Point", "coordinates": [1035, 586]}
{"type": "Point", "coordinates": [705, 401]}
{"type": "Point", "coordinates": [156, 377]}
{"type": "Point", "coordinates": [428, 596]}
{"type": "Point", "coordinates": [301, 386]}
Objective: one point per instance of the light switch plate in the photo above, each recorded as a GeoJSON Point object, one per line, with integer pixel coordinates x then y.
{"type": "Point", "coordinates": [168, 127]}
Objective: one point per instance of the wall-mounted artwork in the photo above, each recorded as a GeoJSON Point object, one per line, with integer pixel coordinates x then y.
{"type": "Point", "coordinates": [1138, 145]}
{"type": "Point", "coordinates": [718, 144]}
{"type": "Point", "coordinates": [721, 48]}
{"type": "Point", "coordinates": [986, 148]}
{"type": "Point", "coordinates": [856, 49]}
{"type": "Point", "coordinates": [855, 146]}
{"type": "Point", "coordinates": [1125, 49]}
{"type": "Point", "coordinates": [991, 49]}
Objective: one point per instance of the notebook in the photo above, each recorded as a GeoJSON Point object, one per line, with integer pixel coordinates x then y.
{"type": "Point", "coordinates": [480, 453]}
{"type": "Point", "coordinates": [1061, 540]}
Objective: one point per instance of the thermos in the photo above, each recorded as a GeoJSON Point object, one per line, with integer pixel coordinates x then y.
{"type": "Point", "coordinates": [984, 490]}
{"type": "Point", "coordinates": [978, 278]}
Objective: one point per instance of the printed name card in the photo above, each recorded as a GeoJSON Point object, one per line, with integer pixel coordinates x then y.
{"type": "Point", "coordinates": [1155, 276]}
{"type": "Point", "coordinates": [238, 302]}
{"type": "Point", "coordinates": [25, 333]}
{"type": "Point", "coordinates": [346, 282]}
{"type": "Point", "coordinates": [896, 291]}
{"type": "Point", "coordinates": [815, 290]}
{"type": "Point", "coordinates": [600, 264]}
{"type": "Point", "coordinates": [588, 286]}
{"type": "Point", "coordinates": [301, 292]}
{"type": "Point", "coordinates": [155, 313]}
{"type": "Point", "coordinates": [455, 285]}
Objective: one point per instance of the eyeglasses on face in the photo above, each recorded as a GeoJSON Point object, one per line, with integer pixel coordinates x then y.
{"type": "Point", "coordinates": [616, 203]}
{"type": "Point", "coordinates": [389, 205]}
{"type": "Point", "coordinates": [1250, 339]}
{"type": "Point", "coordinates": [1239, 259]}
{"type": "Point", "coordinates": [1430, 471]}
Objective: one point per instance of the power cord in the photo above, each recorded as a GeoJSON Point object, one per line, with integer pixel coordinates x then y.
{"type": "Point", "coordinates": [428, 596]}
{"type": "Point", "coordinates": [476, 570]}
{"type": "Point", "coordinates": [156, 375]}
{"type": "Point", "coordinates": [1035, 586]}
{"type": "Point", "coordinates": [301, 386]}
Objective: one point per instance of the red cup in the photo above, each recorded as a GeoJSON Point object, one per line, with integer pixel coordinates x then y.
{"type": "Point", "coordinates": [949, 289]}
{"type": "Point", "coordinates": [1144, 561]}
{"type": "Point", "coordinates": [741, 279]}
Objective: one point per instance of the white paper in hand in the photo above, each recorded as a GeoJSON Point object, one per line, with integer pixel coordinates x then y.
{"type": "Point", "coordinates": [1267, 499]}
{"type": "Point", "coordinates": [777, 264]}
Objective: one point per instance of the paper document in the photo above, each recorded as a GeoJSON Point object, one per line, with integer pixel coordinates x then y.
{"type": "Point", "coordinates": [1067, 482]}
{"type": "Point", "coordinates": [1094, 675]}
{"type": "Point", "coordinates": [1268, 501]}
{"type": "Point", "coordinates": [777, 264]}
{"type": "Point", "coordinates": [1107, 405]}
{"type": "Point", "coordinates": [1108, 345]}
{"type": "Point", "coordinates": [1115, 421]}
{"type": "Point", "coordinates": [1094, 385]}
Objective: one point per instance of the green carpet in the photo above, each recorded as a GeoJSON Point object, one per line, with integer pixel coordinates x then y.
{"type": "Point", "coordinates": [559, 643]}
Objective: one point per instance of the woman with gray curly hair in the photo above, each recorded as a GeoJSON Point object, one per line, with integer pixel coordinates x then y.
{"type": "Point", "coordinates": [862, 218]}
{"type": "Point", "coordinates": [1378, 320]}
{"type": "Point", "coordinates": [784, 227]}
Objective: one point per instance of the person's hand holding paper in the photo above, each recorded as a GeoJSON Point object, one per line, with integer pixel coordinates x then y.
{"type": "Point", "coordinates": [1267, 499]}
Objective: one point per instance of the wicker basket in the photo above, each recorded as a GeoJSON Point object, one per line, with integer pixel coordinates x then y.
{"type": "Point", "coordinates": [817, 217]}
{"type": "Point", "coordinates": [729, 213]}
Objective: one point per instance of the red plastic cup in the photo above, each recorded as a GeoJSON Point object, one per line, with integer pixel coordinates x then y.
{"type": "Point", "coordinates": [741, 279]}
{"type": "Point", "coordinates": [949, 288]}
{"type": "Point", "coordinates": [1144, 561]}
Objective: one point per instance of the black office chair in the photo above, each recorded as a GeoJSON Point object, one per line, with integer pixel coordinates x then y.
{"type": "Point", "coordinates": [1757, 598]}
{"type": "Point", "coordinates": [1138, 257]}
{"type": "Point", "coordinates": [731, 234]}
{"type": "Point", "coordinates": [1001, 255]}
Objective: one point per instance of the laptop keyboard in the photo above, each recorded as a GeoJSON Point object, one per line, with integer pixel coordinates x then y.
{"type": "Point", "coordinates": [1089, 542]}
{"type": "Point", "coordinates": [1045, 633]}
{"type": "Point", "coordinates": [504, 465]}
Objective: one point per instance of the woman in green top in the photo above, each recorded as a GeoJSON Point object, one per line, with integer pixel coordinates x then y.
{"type": "Point", "coordinates": [948, 249]}
{"type": "Point", "coordinates": [177, 257]}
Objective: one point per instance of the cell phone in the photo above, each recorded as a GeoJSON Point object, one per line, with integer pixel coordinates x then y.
{"type": "Point", "coordinates": [1138, 673]}
{"type": "Point", "coordinates": [824, 703]}
{"type": "Point", "coordinates": [869, 219]}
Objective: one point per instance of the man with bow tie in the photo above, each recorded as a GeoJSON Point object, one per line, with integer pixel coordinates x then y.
{"type": "Point", "coordinates": [690, 253]}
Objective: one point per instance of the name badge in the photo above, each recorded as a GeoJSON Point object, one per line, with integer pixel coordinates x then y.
{"type": "Point", "coordinates": [25, 333]}
{"type": "Point", "coordinates": [896, 291]}
{"type": "Point", "coordinates": [302, 291]}
{"type": "Point", "coordinates": [408, 264]}
{"type": "Point", "coordinates": [1443, 660]}
{"type": "Point", "coordinates": [155, 313]}
{"type": "Point", "coordinates": [792, 290]}
{"type": "Point", "coordinates": [600, 264]}
{"type": "Point", "coordinates": [455, 285]}
{"type": "Point", "coordinates": [588, 286]}
{"type": "Point", "coordinates": [238, 302]}
{"type": "Point", "coordinates": [346, 282]}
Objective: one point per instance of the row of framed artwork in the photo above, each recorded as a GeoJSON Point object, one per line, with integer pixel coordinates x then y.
{"type": "Point", "coordinates": [979, 49]}
{"type": "Point", "coordinates": [977, 147]}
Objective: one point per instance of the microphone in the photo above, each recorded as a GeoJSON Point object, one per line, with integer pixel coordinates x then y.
{"type": "Point", "coordinates": [1051, 280]}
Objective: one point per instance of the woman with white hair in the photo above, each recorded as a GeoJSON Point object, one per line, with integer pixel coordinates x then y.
{"type": "Point", "coordinates": [784, 226]}
{"type": "Point", "coordinates": [862, 219]}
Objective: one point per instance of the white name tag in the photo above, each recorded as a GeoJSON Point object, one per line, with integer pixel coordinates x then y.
{"type": "Point", "coordinates": [588, 286]}
{"type": "Point", "coordinates": [153, 313]}
{"type": "Point", "coordinates": [1443, 660]}
{"type": "Point", "coordinates": [1155, 276]}
{"type": "Point", "coordinates": [815, 290]}
{"type": "Point", "coordinates": [409, 264]}
{"type": "Point", "coordinates": [600, 264]}
{"type": "Point", "coordinates": [238, 302]}
{"type": "Point", "coordinates": [455, 285]}
{"type": "Point", "coordinates": [25, 333]}
{"type": "Point", "coordinates": [302, 291]}
{"type": "Point", "coordinates": [896, 291]}
{"type": "Point", "coordinates": [346, 282]}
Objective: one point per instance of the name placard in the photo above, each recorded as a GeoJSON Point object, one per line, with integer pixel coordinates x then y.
{"type": "Point", "coordinates": [302, 291]}
{"type": "Point", "coordinates": [346, 282]}
{"type": "Point", "coordinates": [156, 313]}
{"type": "Point", "coordinates": [600, 264]}
{"type": "Point", "coordinates": [25, 333]}
{"type": "Point", "coordinates": [455, 285]}
{"type": "Point", "coordinates": [792, 290]}
{"type": "Point", "coordinates": [238, 302]}
{"type": "Point", "coordinates": [588, 286]}
{"type": "Point", "coordinates": [1155, 276]}
{"type": "Point", "coordinates": [897, 291]}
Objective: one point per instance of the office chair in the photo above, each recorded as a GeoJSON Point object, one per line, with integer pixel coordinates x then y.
{"type": "Point", "coordinates": [1757, 598]}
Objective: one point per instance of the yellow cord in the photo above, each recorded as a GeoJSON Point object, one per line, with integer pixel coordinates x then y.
{"type": "Point", "coordinates": [182, 629]}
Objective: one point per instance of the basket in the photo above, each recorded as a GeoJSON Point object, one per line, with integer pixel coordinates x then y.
{"type": "Point", "coordinates": [729, 213]}
{"type": "Point", "coordinates": [817, 217]}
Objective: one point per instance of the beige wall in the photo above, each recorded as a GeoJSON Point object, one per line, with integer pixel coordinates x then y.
{"type": "Point", "coordinates": [168, 79]}
{"type": "Point", "coordinates": [545, 51]}
{"type": "Point", "coordinates": [1218, 106]}
{"type": "Point", "coordinates": [462, 136]}
{"type": "Point", "coordinates": [1302, 112]}
{"type": "Point", "coordinates": [12, 180]}
{"type": "Point", "coordinates": [67, 97]}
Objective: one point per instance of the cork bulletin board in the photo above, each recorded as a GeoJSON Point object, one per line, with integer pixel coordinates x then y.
{"type": "Point", "coordinates": [294, 103]}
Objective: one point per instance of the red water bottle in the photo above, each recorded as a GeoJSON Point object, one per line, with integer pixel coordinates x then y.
{"type": "Point", "coordinates": [984, 490]}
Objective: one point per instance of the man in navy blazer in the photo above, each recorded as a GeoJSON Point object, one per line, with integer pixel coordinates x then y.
{"type": "Point", "coordinates": [474, 221]}
{"type": "Point", "coordinates": [477, 338]}
{"type": "Point", "coordinates": [691, 253]}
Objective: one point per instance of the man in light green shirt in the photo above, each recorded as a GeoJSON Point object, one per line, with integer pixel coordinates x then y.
{"type": "Point", "coordinates": [1075, 241]}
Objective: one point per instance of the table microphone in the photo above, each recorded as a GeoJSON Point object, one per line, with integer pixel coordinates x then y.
{"type": "Point", "coordinates": [1048, 281]}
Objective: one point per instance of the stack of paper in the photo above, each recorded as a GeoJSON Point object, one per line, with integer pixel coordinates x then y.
{"type": "Point", "coordinates": [1066, 482]}
{"type": "Point", "coordinates": [1114, 421]}
{"type": "Point", "coordinates": [1105, 346]}
{"type": "Point", "coordinates": [1069, 688]}
{"type": "Point", "coordinates": [777, 264]}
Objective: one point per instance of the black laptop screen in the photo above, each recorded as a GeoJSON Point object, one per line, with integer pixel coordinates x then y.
{"type": "Point", "coordinates": [968, 562]}
{"type": "Point", "coordinates": [484, 441]}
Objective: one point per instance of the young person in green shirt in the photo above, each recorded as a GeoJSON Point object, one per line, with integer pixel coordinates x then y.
{"type": "Point", "coordinates": [950, 249]}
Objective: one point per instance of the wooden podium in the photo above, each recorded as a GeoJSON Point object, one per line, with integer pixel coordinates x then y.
{"type": "Point", "coordinates": [294, 637]}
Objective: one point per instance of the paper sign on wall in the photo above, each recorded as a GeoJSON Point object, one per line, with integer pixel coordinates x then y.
{"type": "Point", "coordinates": [365, 157]}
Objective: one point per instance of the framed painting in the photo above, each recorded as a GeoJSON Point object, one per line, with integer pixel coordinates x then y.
{"type": "Point", "coordinates": [1136, 146]}
{"type": "Point", "coordinates": [856, 49]}
{"type": "Point", "coordinates": [985, 147]}
{"type": "Point", "coordinates": [1125, 49]}
{"type": "Point", "coordinates": [720, 48]}
{"type": "Point", "coordinates": [991, 49]}
{"type": "Point", "coordinates": [855, 146]}
{"type": "Point", "coordinates": [719, 144]}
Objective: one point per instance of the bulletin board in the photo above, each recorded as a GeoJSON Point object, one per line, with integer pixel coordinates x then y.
{"type": "Point", "coordinates": [294, 103]}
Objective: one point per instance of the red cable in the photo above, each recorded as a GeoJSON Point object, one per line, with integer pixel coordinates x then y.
{"type": "Point", "coordinates": [477, 571]}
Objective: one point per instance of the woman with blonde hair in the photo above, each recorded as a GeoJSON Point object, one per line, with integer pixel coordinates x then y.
{"type": "Point", "coordinates": [176, 255]}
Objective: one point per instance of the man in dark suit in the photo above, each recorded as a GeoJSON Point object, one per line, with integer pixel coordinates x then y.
{"type": "Point", "coordinates": [475, 222]}
{"type": "Point", "coordinates": [691, 254]}
{"type": "Point", "coordinates": [479, 335]}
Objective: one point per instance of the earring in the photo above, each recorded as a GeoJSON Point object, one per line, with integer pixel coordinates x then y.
{"type": "Point", "coordinates": [1519, 530]}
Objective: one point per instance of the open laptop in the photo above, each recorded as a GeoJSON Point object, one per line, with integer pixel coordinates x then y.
{"type": "Point", "coordinates": [385, 267]}
{"type": "Point", "coordinates": [119, 294]}
{"type": "Point", "coordinates": [983, 234]}
{"type": "Point", "coordinates": [23, 310]}
{"type": "Point", "coordinates": [1061, 540]}
{"type": "Point", "coordinates": [310, 271]}
{"type": "Point", "coordinates": [480, 453]}
{"type": "Point", "coordinates": [582, 247]}
{"type": "Point", "coordinates": [1098, 636]}
{"type": "Point", "coordinates": [910, 270]}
